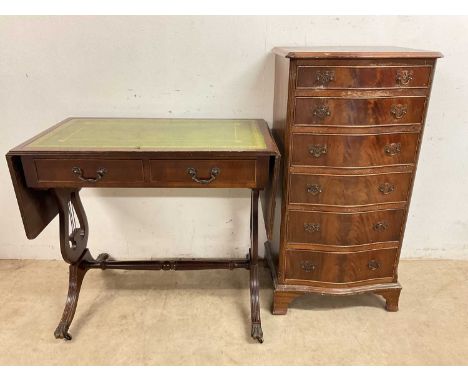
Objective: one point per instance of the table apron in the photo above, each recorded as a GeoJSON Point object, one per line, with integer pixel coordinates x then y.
{"type": "Point", "coordinates": [43, 172]}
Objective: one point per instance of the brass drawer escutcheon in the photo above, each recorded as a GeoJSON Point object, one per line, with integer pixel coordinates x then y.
{"type": "Point", "coordinates": [373, 265]}
{"type": "Point", "coordinates": [392, 149]}
{"type": "Point", "coordinates": [386, 188]}
{"type": "Point", "coordinates": [311, 227]}
{"type": "Point", "coordinates": [404, 77]}
{"type": "Point", "coordinates": [399, 111]}
{"type": "Point", "coordinates": [317, 150]}
{"type": "Point", "coordinates": [380, 226]}
{"type": "Point", "coordinates": [323, 77]}
{"type": "Point", "coordinates": [321, 112]}
{"type": "Point", "coordinates": [307, 266]}
{"type": "Point", "coordinates": [314, 189]}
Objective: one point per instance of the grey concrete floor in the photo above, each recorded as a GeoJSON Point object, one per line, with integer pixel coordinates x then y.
{"type": "Point", "coordinates": [202, 318]}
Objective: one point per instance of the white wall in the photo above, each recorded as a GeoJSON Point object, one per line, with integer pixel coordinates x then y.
{"type": "Point", "coordinates": [55, 67]}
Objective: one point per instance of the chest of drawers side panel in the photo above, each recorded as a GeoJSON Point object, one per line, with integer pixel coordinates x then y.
{"type": "Point", "coordinates": [285, 72]}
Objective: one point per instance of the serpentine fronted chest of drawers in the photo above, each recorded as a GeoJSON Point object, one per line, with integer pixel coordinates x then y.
{"type": "Point", "coordinates": [348, 122]}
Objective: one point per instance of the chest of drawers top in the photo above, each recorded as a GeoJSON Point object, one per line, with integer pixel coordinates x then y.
{"type": "Point", "coordinates": [354, 52]}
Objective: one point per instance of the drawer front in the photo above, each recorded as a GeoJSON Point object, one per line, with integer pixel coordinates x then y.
{"type": "Point", "coordinates": [349, 77]}
{"type": "Point", "coordinates": [358, 111]}
{"type": "Point", "coordinates": [349, 190]}
{"type": "Point", "coordinates": [88, 172]}
{"type": "Point", "coordinates": [333, 267]}
{"type": "Point", "coordinates": [354, 150]}
{"type": "Point", "coordinates": [203, 173]}
{"type": "Point", "coordinates": [344, 229]}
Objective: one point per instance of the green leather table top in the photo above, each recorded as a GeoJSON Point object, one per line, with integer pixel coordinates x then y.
{"type": "Point", "coordinates": [154, 134]}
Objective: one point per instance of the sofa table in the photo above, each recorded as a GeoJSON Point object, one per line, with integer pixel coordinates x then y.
{"type": "Point", "coordinates": [49, 170]}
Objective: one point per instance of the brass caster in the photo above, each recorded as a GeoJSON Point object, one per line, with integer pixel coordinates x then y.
{"type": "Point", "coordinates": [257, 332]}
{"type": "Point", "coordinates": [62, 333]}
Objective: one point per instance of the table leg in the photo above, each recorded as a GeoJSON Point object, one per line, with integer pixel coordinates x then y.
{"type": "Point", "coordinates": [256, 331]}
{"type": "Point", "coordinates": [73, 242]}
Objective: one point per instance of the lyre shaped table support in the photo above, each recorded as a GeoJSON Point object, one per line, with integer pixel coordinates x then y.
{"type": "Point", "coordinates": [73, 244]}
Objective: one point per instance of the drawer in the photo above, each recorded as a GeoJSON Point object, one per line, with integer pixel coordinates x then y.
{"type": "Point", "coordinates": [79, 172]}
{"type": "Point", "coordinates": [349, 190]}
{"type": "Point", "coordinates": [362, 77]}
{"type": "Point", "coordinates": [203, 173]}
{"type": "Point", "coordinates": [358, 111]}
{"type": "Point", "coordinates": [338, 267]}
{"type": "Point", "coordinates": [357, 150]}
{"type": "Point", "coordinates": [344, 229]}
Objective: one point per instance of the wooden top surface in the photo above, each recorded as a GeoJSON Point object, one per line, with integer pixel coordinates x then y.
{"type": "Point", "coordinates": [151, 134]}
{"type": "Point", "coordinates": [354, 52]}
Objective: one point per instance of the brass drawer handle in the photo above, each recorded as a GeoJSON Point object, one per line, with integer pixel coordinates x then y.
{"type": "Point", "coordinates": [215, 171]}
{"type": "Point", "coordinates": [318, 150]}
{"type": "Point", "coordinates": [314, 189]}
{"type": "Point", "coordinates": [399, 111]}
{"type": "Point", "coordinates": [321, 112]}
{"type": "Point", "coordinates": [380, 226]}
{"type": "Point", "coordinates": [311, 227]}
{"type": "Point", "coordinates": [373, 265]}
{"type": "Point", "coordinates": [392, 149]}
{"type": "Point", "coordinates": [100, 174]}
{"type": "Point", "coordinates": [403, 77]}
{"type": "Point", "coordinates": [323, 77]}
{"type": "Point", "coordinates": [386, 188]}
{"type": "Point", "coordinates": [307, 266]}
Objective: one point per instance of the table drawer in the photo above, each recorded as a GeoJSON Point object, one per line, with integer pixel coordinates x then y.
{"type": "Point", "coordinates": [204, 173]}
{"type": "Point", "coordinates": [349, 77]}
{"type": "Point", "coordinates": [334, 267]}
{"type": "Point", "coordinates": [365, 150]}
{"type": "Point", "coordinates": [349, 190]}
{"type": "Point", "coordinates": [344, 229]}
{"type": "Point", "coordinates": [358, 111]}
{"type": "Point", "coordinates": [79, 172]}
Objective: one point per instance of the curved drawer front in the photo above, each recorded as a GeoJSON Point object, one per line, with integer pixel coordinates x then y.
{"type": "Point", "coordinates": [344, 229]}
{"type": "Point", "coordinates": [349, 190]}
{"type": "Point", "coordinates": [349, 77]}
{"type": "Point", "coordinates": [354, 150]}
{"type": "Point", "coordinates": [333, 267]}
{"type": "Point", "coordinates": [79, 172]}
{"type": "Point", "coordinates": [358, 111]}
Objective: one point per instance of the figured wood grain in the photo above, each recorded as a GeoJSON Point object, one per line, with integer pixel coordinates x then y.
{"type": "Point", "coordinates": [353, 150]}
{"type": "Point", "coordinates": [358, 111]}
{"type": "Point", "coordinates": [349, 190]}
{"type": "Point", "coordinates": [304, 267]}
{"type": "Point", "coordinates": [344, 229]}
{"type": "Point", "coordinates": [341, 77]}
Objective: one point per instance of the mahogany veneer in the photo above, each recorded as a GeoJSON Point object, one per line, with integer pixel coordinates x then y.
{"type": "Point", "coordinates": [349, 123]}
